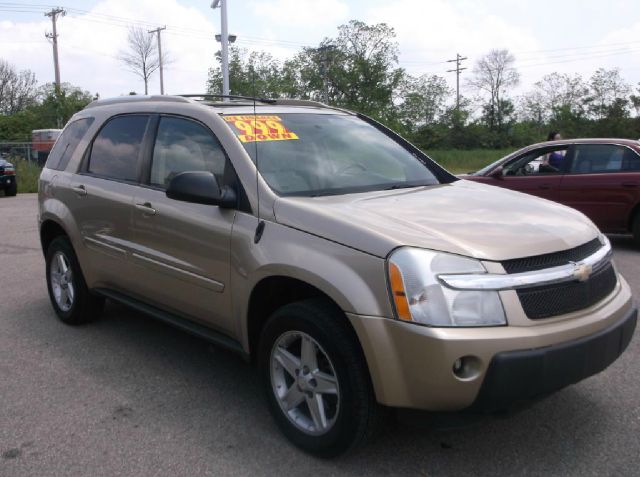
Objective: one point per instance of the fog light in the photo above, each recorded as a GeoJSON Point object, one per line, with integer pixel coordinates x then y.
{"type": "Point", "coordinates": [457, 366]}
{"type": "Point", "coordinates": [467, 368]}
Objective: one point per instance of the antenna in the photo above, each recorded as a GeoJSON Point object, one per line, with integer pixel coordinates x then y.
{"type": "Point", "coordinates": [261, 225]}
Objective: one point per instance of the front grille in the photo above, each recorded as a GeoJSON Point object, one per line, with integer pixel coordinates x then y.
{"type": "Point", "coordinates": [549, 260]}
{"type": "Point", "coordinates": [560, 298]}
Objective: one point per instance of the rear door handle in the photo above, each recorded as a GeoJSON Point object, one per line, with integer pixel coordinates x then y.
{"type": "Point", "coordinates": [146, 209]}
{"type": "Point", "coordinates": [544, 186]}
{"type": "Point", "coordinates": [79, 190]}
{"type": "Point", "coordinates": [630, 184]}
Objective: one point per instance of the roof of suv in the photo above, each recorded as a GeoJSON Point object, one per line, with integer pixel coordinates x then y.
{"type": "Point", "coordinates": [234, 105]}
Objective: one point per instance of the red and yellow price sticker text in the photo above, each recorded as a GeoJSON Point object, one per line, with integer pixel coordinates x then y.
{"type": "Point", "coordinates": [252, 128]}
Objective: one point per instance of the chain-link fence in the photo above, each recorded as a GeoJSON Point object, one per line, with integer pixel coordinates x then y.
{"type": "Point", "coordinates": [23, 150]}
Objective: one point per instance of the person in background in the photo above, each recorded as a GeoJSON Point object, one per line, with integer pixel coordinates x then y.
{"type": "Point", "coordinates": [555, 158]}
{"type": "Point", "coordinates": [554, 136]}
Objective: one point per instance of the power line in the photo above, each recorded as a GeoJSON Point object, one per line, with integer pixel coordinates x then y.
{"type": "Point", "coordinates": [125, 22]}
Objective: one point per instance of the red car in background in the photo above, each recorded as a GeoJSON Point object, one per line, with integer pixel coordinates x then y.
{"type": "Point", "coordinates": [42, 141]}
{"type": "Point", "coordinates": [599, 177]}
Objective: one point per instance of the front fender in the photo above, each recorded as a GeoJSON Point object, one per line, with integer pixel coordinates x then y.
{"type": "Point", "coordinates": [354, 280]}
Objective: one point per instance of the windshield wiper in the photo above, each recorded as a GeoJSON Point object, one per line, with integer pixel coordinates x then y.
{"type": "Point", "coordinates": [403, 186]}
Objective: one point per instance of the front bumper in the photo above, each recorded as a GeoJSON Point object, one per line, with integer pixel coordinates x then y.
{"type": "Point", "coordinates": [411, 366]}
{"type": "Point", "coordinates": [7, 181]}
{"type": "Point", "coordinates": [528, 374]}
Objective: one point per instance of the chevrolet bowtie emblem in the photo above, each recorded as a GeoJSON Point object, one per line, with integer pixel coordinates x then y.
{"type": "Point", "coordinates": [582, 271]}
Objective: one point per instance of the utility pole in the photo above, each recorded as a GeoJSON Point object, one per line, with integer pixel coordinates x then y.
{"type": "Point", "coordinates": [158, 30]}
{"type": "Point", "coordinates": [224, 40]}
{"type": "Point", "coordinates": [324, 63]}
{"type": "Point", "coordinates": [53, 14]}
{"type": "Point", "coordinates": [457, 70]}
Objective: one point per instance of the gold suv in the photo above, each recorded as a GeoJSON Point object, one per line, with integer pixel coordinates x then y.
{"type": "Point", "coordinates": [355, 271]}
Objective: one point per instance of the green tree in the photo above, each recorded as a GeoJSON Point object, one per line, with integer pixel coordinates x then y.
{"type": "Point", "coordinates": [555, 97]}
{"type": "Point", "coordinates": [56, 109]}
{"type": "Point", "coordinates": [423, 100]}
{"type": "Point", "coordinates": [493, 75]}
{"type": "Point", "coordinates": [362, 71]}
{"type": "Point", "coordinates": [635, 100]}
{"type": "Point", "coordinates": [17, 88]}
{"type": "Point", "coordinates": [254, 73]}
{"type": "Point", "coordinates": [356, 70]}
{"type": "Point", "coordinates": [607, 89]}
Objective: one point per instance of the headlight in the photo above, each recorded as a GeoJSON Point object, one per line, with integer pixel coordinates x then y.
{"type": "Point", "coordinates": [420, 297]}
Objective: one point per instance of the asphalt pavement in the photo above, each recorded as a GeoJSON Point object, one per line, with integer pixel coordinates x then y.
{"type": "Point", "coordinates": [127, 395]}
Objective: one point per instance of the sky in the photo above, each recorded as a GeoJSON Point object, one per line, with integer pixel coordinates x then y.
{"type": "Point", "coordinates": [545, 36]}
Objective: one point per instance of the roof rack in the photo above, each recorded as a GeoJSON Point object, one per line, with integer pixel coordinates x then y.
{"type": "Point", "coordinates": [228, 96]}
{"type": "Point", "coordinates": [135, 99]}
{"type": "Point", "coordinates": [187, 98]}
{"type": "Point", "coordinates": [275, 101]}
{"type": "Point", "coordinates": [301, 102]}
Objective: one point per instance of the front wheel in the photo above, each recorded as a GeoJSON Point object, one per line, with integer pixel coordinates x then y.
{"type": "Point", "coordinates": [70, 297]}
{"type": "Point", "coordinates": [316, 379]}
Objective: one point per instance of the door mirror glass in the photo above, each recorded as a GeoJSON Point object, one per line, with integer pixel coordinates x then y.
{"type": "Point", "coordinates": [497, 173]}
{"type": "Point", "coordinates": [200, 187]}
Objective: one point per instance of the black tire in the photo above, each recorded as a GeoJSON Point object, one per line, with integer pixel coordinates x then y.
{"type": "Point", "coordinates": [635, 229]}
{"type": "Point", "coordinates": [11, 190]}
{"type": "Point", "coordinates": [359, 415]}
{"type": "Point", "coordinates": [85, 306]}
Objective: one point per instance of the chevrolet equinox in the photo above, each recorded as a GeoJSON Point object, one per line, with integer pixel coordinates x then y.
{"type": "Point", "coordinates": [354, 271]}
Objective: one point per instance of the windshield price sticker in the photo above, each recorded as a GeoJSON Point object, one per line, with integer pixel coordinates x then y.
{"type": "Point", "coordinates": [252, 128]}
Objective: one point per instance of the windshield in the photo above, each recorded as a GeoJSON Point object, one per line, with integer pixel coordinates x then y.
{"type": "Point", "coordinates": [324, 154]}
{"type": "Point", "coordinates": [486, 169]}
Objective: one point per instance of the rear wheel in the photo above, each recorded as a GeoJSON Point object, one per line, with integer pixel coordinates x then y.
{"type": "Point", "coordinates": [316, 379]}
{"type": "Point", "coordinates": [11, 190]}
{"type": "Point", "coordinates": [70, 297]}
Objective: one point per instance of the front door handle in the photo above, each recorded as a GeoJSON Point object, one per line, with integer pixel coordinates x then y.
{"type": "Point", "coordinates": [80, 190]}
{"type": "Point", "coordinates": [146, 209]}
{"type": "Point", "coordinates": [630, 184]}
{"type": "Point", "coordinates": [544, 186]}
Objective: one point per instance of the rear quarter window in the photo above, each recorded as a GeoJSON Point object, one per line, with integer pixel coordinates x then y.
{"type": "Point", "coordinates": [115, 153]}
{"type": "Point", "coordinates": [67, 143]}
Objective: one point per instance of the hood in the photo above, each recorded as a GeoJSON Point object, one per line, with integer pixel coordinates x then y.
{"type": "Point", "coordinates": [463, 217]}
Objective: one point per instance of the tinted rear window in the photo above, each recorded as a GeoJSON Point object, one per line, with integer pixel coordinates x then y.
{"type": "Point", "coordinates": [604, 158]}
{"type": "Point", "coordinates": [116, 149]}
{"type": "Point", "coordinates": [67, 143]}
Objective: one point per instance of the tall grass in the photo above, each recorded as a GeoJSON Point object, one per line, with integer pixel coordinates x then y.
{"type": "Point", "coordinates": [27, 174]}
{"type": "Point", "coordinates": [459, 161]}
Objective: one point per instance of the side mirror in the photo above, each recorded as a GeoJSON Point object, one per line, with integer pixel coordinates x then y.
{"type": "Point", "coordinates": [497, 173]}
{"type": "Point", "coordinates": [200, 187]}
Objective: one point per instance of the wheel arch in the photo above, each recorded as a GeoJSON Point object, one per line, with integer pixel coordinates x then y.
{"type": "Point", "coordinates": [273, 292]}
{"type": "Point", "coordinates": [49, 230]}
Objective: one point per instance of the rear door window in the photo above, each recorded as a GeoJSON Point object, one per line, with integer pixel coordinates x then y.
{"type": "Point", "coordinates": [604, 158]}
{"type": "Point", "coordinates": [115, 153]}
{"type": "Point", "coordinates": [67, 143]}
